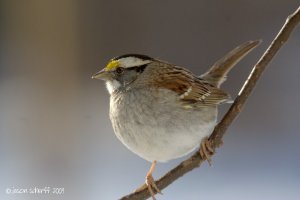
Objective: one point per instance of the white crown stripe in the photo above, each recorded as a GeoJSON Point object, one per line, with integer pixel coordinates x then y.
{"type": "Point", "coordinates": [132, 62]}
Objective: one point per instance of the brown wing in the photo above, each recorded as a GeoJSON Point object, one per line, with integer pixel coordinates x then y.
{"type": "Point", "coordinates": [192, 91]}
{"type": "Point", "coordinates": [204, 94]}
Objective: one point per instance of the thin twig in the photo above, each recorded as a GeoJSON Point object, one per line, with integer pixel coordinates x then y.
{"type": "Point", "coordinates": [216, 138]}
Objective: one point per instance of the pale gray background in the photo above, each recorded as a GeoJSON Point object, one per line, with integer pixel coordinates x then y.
{"type": "Point", "coordinates": [54, 125]}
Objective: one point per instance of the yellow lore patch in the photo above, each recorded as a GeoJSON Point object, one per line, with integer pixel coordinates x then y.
{"type": "Point", "coordinates": [113, 64]}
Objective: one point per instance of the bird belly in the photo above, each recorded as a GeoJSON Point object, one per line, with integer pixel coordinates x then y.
{"type": "Point", "coordinates": [160, 129]}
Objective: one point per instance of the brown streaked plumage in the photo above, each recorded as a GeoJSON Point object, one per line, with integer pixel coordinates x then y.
{"type": "Point", "coordinates": [190, 89]}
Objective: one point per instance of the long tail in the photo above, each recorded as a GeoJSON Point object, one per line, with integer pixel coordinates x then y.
{"type": "Point", "coordinates": [216, 75]}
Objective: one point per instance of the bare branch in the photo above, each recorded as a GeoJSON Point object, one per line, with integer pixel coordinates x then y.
{"type": "Point", "coordinates": [216, 138]}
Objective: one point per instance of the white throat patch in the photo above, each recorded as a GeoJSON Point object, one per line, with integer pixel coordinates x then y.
{"type": "Point", "coordinates": [112, 86]}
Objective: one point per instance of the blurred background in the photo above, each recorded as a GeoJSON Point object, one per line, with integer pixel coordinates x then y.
{"type": "Point", "coordinates": [54, 125]}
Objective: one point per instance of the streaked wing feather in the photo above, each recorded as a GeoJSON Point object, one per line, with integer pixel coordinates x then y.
{"type": "Point", "coordinates": [204, 94]}
{"type": "Point", "coordinates": [192, 91]}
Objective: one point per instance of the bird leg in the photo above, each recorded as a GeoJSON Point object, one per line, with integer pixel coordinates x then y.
{"type": "Point", "coordinates": [206, 150]}
{"type": "Point", "coordinates": [151, 183]}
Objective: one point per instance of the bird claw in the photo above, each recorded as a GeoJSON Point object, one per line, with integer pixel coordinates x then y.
{"type": "Point", "coordinates": [150, 183]}
{"type": "Point", "coordinates": [206, 150]}
{"type": "Point", "coordinates": [152, 187]}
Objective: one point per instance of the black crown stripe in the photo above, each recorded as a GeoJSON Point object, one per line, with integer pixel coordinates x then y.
{"type": "Point", "coordinates": [140, 56]}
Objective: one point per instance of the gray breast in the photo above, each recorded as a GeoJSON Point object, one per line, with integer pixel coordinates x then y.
{"type": "Point", "coordinates": [153, 124]}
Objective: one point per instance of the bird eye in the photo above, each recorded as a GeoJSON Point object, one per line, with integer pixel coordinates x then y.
{"type": "Point", "coordinates": [119, 70]}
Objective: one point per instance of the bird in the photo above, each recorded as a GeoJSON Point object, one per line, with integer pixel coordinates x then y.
{"type": "Point", "coordinates": [161, 111]}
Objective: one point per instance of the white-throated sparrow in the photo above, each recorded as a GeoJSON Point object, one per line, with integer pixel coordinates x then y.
{"type": "Point", "coordinates": [161, 111]}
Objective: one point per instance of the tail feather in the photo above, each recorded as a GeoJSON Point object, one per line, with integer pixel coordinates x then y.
{"type": "Point", "coordinates": [216, 75]}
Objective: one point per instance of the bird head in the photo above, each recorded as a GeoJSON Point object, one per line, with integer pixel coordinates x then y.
{"type": "Point", "coordinates": [123, 70]}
